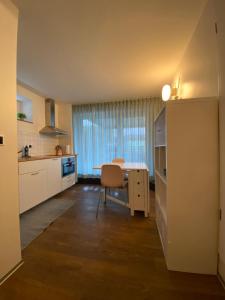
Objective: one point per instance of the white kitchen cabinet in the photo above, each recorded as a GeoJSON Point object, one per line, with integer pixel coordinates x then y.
{"type": "Point", "coordinates": [54, 177]}
{"type": "Point", "coordinates": [33, 189]}
{"type": "Point", "coordinates": [40, 180]}
{"type": "Point", "coordinates": [32, 166]}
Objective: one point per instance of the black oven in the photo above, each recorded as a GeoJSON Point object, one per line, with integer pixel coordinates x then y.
{"type": "Point", "coordinates": [68, 166]}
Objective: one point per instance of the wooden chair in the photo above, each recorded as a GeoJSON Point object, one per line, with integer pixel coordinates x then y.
{"type": "Point", "coordinates": [118, 160]}
{"type": "Point", "coordinates": [112, 176]}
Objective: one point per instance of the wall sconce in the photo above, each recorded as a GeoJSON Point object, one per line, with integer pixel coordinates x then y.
{"type": "Point", "coordinates": [168, 92]}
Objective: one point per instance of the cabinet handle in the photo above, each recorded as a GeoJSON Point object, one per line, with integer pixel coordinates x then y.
{"type": "Point", "coordinates": [138, 182]}
{"type": "Point", "coordinates": [36, 173]}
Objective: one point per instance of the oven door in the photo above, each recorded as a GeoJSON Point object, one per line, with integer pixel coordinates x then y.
{"type": "Point", "coordinates": [68, 166]}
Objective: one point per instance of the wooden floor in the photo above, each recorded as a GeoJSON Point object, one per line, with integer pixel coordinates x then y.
{"type": "Point", "coordinates": [114, 257]}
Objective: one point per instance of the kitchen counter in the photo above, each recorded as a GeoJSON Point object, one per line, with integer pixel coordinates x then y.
{"type": "Point", "coordinates": [40, 157]}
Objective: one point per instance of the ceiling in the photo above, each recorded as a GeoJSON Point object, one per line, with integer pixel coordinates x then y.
{"type": "Point", "coordinates": [99, 50]}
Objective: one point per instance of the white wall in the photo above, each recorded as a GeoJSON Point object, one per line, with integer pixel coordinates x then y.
{"type": "Point", "coordinates": [10, 253]}
{"type": "Point", "coordinates": [198, 69]}
{"type": "Point", "coordinates": [220, 19]}
{"type": "Point", "coordinates": [28, 133]}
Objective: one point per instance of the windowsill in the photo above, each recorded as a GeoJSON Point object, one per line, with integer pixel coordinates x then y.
{"type": "Point", "coordinates": [26, 121]}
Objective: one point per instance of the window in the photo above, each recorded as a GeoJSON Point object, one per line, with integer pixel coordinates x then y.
{"type": "Point", "coordinates": [24, 109]}
{"type": "Point", "coordinates": [118, 129]}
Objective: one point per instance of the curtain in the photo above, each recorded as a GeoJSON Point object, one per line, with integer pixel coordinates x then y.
{"type": "Point", "coordinates": [104, 131]}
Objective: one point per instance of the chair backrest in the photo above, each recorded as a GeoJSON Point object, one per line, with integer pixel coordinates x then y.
{"type": "Point", "coordinates": [119, 160]}
{"type": "Point", "coordinates": [112, 176]}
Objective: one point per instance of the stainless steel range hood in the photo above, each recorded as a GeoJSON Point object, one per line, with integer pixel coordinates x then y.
{"type": "Point", "coordinates": [50, 128]}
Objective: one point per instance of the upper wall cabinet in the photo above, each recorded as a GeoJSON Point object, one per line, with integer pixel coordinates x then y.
{"type": "Point", "coordinates": [24, 109]}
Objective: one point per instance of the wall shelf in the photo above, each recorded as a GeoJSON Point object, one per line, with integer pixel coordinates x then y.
{"type": "Point", "coordinates": [26, 121]}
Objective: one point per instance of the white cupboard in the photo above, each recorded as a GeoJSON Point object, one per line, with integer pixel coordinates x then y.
{"type": "Point", "coordinates": [54, 176]}
{"type": "Point", "coordinates": [33, 189]}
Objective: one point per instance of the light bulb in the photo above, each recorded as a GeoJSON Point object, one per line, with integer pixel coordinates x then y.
{"type": "Point", "coordinates": [166, 92]}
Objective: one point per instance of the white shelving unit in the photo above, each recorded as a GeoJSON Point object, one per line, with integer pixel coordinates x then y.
{"type": "Point", "coordinates": [186, 181]}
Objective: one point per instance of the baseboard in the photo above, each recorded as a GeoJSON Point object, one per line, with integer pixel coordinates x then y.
{"type": "Point", "coordinates": [4, 278]}
{"type": "Point", "coordinates": [221, 280]}
{"type": "Point", "coordinates": [152, 185]}
{"type": "Point", "coordinates": [89, 180]}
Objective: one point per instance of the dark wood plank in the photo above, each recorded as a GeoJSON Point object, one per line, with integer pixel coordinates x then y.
{"type": "Point", "coordinates": [114, 257]}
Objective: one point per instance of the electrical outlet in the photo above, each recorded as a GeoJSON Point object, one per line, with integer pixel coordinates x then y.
{"type": "Point", "coordinates": [2, 140]}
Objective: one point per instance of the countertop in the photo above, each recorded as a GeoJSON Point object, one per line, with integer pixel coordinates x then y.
{"type": "Point", "coordinates": [40, 157]}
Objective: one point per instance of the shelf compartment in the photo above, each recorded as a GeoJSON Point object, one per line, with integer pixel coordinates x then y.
{"type": "Point", "coordinates": [160, 133]}
{"type": "Point", "coordinates": [162, 226]}
{"type": "Point", "coordinates": [161, 160]}
{"type": "Point", "coordinates": [161, 176]}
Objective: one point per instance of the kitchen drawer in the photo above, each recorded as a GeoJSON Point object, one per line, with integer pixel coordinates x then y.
{"type": "Point", "coordinates": [32, 166]}
{"type": "Point", "coordinates": [68, 181]}
{"type": "Point", "coordinates": [139, 188]}
{"type": "Point", "coordinates": [139, 176]}
{"type": "Point", "coordinates": [139, 182]}
{"type": "Point", "coordinates": [139, 201]}
{"type": "Point", "coordinates": [136, 179]}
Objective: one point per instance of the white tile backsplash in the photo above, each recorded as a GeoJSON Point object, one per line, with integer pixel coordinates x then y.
{"type": "Point", "coordinates": [41, 144]}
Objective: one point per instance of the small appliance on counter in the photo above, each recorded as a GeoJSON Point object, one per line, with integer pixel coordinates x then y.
{"type": "Point", "coordinates": [68, 149]}
{"type": "Point", "coordinates": [59, 151]}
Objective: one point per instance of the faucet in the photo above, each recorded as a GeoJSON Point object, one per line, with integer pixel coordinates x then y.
{"type": "Point", "coordinates": [25, 151]}
{"type": "Point", "coordinates": [22, 151]}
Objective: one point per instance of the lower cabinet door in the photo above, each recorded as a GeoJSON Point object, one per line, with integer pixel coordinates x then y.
{"type": "Point", "coordinates": [54, 177]}
{"type": "Point", "coordinates": [33, 189]}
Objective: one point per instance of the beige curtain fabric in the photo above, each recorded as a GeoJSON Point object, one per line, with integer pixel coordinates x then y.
{"type": "Point", "coordinates": [104, 131]}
